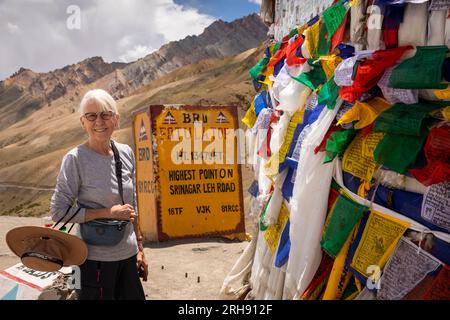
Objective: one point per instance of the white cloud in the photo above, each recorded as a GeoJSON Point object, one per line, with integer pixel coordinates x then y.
{"type": "Point", "coordinates": [13, 28]}
{"type": "Point", "coordinates": [255, 1]}
{"type": "Point", "coordinates": [137, 52]}
{"type": "Point", "coordinates": [173, 20]}
{"type": "Point", "coordinates": [125, 42]}
{"type": "Point", "coordinates": [116, 30]}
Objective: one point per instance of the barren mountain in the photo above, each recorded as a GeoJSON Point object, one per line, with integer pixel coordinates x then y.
{"type": "Point", "coordinates": [27, 91]}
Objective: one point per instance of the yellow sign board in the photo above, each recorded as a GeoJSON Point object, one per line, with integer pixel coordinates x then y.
{"type": "Point", "coordinates": [198, 177]}
{"type": "Point", "coordinates": [145, 182]}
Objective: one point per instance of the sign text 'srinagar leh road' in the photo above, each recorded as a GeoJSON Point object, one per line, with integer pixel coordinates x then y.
{"type": "Point", "coordinates": [199, 188]}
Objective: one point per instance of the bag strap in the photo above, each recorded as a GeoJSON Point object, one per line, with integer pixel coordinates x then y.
{"type": "Point", "coordinates": [118, 163]}
{"type": "Point", "coordinates": [67, 211]}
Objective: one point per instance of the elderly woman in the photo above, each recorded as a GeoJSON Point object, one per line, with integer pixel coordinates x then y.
{"type": "Point", "coordinates": [88, 190]}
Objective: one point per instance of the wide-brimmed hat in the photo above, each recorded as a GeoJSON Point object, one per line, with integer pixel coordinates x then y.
{"type": "Point", "coordinates": [46, 249]}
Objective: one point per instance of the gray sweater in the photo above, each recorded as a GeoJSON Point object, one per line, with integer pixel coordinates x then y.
{"type": "Point", "coordinates": [88, 179]}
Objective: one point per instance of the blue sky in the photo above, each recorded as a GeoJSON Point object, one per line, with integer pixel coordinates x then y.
{"type": "Point", "coordinates": [227, 10]}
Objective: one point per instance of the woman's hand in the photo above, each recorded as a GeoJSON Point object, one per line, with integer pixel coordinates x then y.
{"type": "Point", "coordinates": [123, 212]}
{"type": "Point", "coordinates": [142, 266]}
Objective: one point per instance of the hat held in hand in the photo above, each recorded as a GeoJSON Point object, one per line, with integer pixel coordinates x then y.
{"type": "Point", "coordinates": [46, 249]}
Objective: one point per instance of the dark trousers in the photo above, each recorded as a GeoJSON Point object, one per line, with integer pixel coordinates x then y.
{"type": "Point", "coordinates": [115, 280]}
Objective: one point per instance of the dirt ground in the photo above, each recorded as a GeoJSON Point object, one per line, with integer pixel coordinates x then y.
{"type": "Point", "coordinates": [206, 262]}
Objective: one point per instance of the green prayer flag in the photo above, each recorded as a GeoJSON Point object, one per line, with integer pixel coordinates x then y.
{"type": "Point", "coordinates": [324, 45]}
{"type": "Point", "coordinates": [337, 143]}
{"type": "Point", "coordinates": [256, 69]}
{"type": "Point", "coordinates": [351, 289]}
{"type": "Point", "coordinates": [276, 47]}
{"type": "Point", "coordinates": [329, 93]}
{"type": "Point", "coordinates": [333, 17]}
{"type": "Point", "coordinates": [343, 218]}
{"type": "Point", "coordinates": [293, 32]}
{"type": "Point", "coordinates": [262, 226]}
{"type": "Point", "coordinates": [405, 119]}
{"type": "Point", "coordinates": [335, 185]}
{"type": "Point", "coordinates": [423, 71]}
{"type": "Point", "coordinates": [313, 78]}
{"type": "Point", "coordinates": [398, 152]}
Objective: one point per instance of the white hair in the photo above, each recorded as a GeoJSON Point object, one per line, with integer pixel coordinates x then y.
{"type": "Point", "coordinates": [101, 98]}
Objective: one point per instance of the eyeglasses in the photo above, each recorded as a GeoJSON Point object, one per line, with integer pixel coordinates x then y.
{"type": "Point", "coordinates": [92, 116]}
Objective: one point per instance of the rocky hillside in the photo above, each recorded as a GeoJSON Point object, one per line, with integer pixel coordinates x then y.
{"type": "Point", "coordinates": [27, 91]}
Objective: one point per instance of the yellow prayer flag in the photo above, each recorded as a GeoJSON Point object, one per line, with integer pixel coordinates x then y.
{"type": "Point", "coordinates": [378, 241]}
{"type": "Point", "coordinates": [273, 232]}
{"type": "Point", "coordinates": [446, 113]}
{"type": "Point", "coordinates": [250, 116]}
{"type": "Point", "coordinates": [266, 81]}
{"type": "Point", "coordinates": [270, 169]}
{"type": "Point", "coordinates": [358, 157]}
{"type": "Point", "coordinates": [358, 285]}
{"type": "Point", "coordinates": [312, 38]}
{"type": "Point", "coordinates": [302, 28]}
{"type": "Point", "coordinates": [272, 48]}
{"type": "Point", "coordinates": [443, 94]}
{"type": "Point", "coordinates": [363, 189]}
{"type": "Point", "coordinates": [370, 142]}
{"type": "Point", "coordinates": [339, 276]}
{"type": "Point", "coordinates": [365, 112]}
{"type": "Point", "coordinates": [329, 64]}
{"type": "Point", "coordinates": [298, 115]}
{"type": "Point", "coordinates": [295, 120]}
{"type": "Point", "coordinates": [267, 73]}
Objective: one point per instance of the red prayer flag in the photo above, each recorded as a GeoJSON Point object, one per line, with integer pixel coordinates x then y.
{"type": "Point", "coordinates": [437, 152]}
{"type": "Point", "coordinates": [338, 36]}
{"type": "Point", "coordinates": [280, 54]}
{"type": "Point", "coordinates": [291, 50]}
{"type": "Point", "coordinates": [390, 37]}
{"type": "Point", "coordinates": [370, 71]}
{"type": "Point", "coordinates": [440, 289]}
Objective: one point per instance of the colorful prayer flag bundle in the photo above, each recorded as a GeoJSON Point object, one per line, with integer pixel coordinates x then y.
{"type": "Point", "coordinates": [364, 167]}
